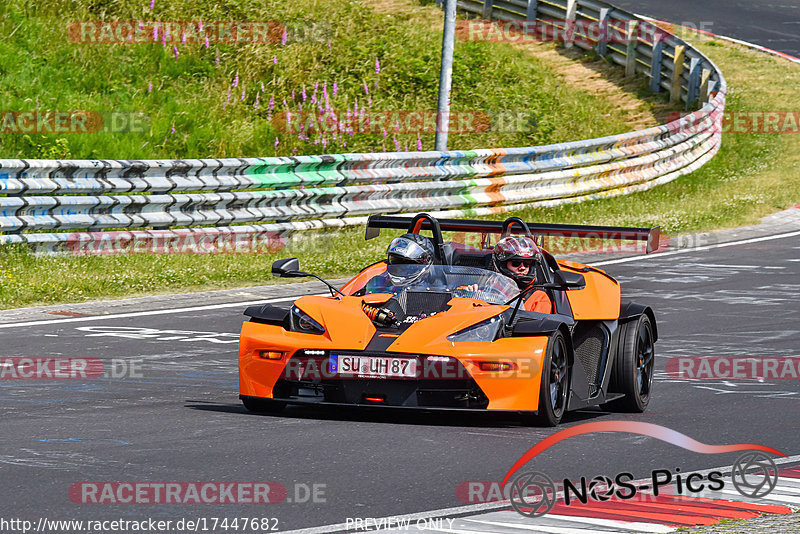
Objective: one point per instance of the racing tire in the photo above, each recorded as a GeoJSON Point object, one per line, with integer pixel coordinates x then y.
{"type": "Point", "coordinates": [554, 388]}
{"type": "Point", "coordinates": [263, 405]}
{"type": "Point", "coordinates": [632, 373]}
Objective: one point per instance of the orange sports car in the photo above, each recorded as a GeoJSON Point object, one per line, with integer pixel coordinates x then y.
{"type": "Point", "coordinates": [455, 333]}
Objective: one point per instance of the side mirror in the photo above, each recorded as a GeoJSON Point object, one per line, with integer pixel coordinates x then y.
{"type": "Point", "coordinates": [286, 268]}
{"type": "Point", "coordinates": [569, 280]}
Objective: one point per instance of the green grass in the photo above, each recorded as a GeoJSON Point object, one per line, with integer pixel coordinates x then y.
{"type": "Point", "coordinates": [752, 175]}
{"type": "Point", "coordinates": [199, 92]}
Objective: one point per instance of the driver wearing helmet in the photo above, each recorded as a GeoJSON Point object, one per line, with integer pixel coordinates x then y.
{"type": "Point", "coordinates": [517, 257]}
{"type": "Point", "coordinates": [409, 259]}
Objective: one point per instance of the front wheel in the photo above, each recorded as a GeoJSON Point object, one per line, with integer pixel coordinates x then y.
{"type": "Point", "coordinates": [554, 389]}
{"type": "Point", "coordinates": [633, 369]}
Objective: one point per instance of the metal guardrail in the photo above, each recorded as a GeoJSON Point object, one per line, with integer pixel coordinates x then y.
{"type": "Point", "coordinates": [54, 204]}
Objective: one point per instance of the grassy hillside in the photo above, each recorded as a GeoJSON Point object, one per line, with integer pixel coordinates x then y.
{"type": "Point", "coordinates": [222, 100]}
{"type": "Point", "coordinates": [753, 174]}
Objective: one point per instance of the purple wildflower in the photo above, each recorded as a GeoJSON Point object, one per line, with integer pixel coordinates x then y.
{"type": "Point", "coordinates": [396, 144]}
{"type": "Point", "coordinates": [304, 93]}
{"type": "Point", "coordinates": [152, 4]}
{"type": "Point", "coordinates": [275, 60]}
{"type": "Point", "coordinates": [329, 46]}
{"type": "Point", "coordinates": [242, 94]}
{"type": "Point", "coordinates": [155, 32]}
{"type": "Point", "coordinates": [207, 45]}
{"type": "Point", "coordinates": [377, 67]}
{"type": "Point", "coordinates": [236, 80]}
{"type": "Point", "coordinates": [325, 91]}
{"type": "Point", "coordinates": [150, 87]}
{"type": "Point", "coordinates": [276, 142]}
{"type": "Point", "coordinates": [335, 88]}
{"type": "Point", "coordinates": [175, 51]}
{"type": "Point", "coordinates": [272, 102]}
{"type": "Point", "coordinates": [256, 104]}
{"type": "Point", "coordinates": [366, 88]}
{"type": "Point", "coordinates": [419, 143]}
{"type": "Point", "coordinates": [183, 37]}
{"type": "Point", "coordinates": [284, 36]}
{"type": "Point", "coordinates": [173, 127]}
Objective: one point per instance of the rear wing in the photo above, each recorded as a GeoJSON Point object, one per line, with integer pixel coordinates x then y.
{"type": "Point", "coordinates": [376, 222]}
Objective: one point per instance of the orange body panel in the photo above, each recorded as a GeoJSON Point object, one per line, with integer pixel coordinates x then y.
{"type": "Point", "coordinates": [363, 277]}
{"type": "Point", "coordinates": [599, 300]}
{"type": "Point", "coordinates": [348, 328]}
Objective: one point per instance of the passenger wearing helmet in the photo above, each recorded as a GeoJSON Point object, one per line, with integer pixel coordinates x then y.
{"type": "Point", "coordinates": [517, 258]}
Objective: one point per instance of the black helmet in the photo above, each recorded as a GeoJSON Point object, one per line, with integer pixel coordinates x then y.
{"type": "Point", "coordinates": [522, 249]}
{"type": "Point", "coordinates": [413, 250]}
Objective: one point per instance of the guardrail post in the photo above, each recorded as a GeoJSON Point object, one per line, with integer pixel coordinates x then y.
{"type": "Point", "coordinates": [533, 9]}
{"type": "Point", "coordinates": [569, 22]}
{"type": "Point", "coordinates": [694, 82]}
{"type": "Point", "coordinates": [602, 44]}
{"type": "Point", "coordinates": [630, 54]}
{"type": "Point", "coordinates": [704, 78]}
{"type": "Point", "coordinates": [655, 68]}
{"type": "Point", "coordinates": [677, 73]}
{"type": "Point", "coordinates": [445, 76]}
{"type": "Point", "coordinates": [488, 5]}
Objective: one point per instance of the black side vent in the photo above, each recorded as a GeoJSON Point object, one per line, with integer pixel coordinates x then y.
{"type": "Point", "coordinates": [589, 351]}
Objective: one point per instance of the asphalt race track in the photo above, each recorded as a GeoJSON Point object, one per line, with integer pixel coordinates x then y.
{"type": "Point", "coordinates": [771, 23]}
{"type": "Point", "coordinates": [178, 418]}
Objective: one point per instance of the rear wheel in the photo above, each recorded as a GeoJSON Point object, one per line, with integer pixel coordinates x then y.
{"type": "Point", "coordinates": [633, 366]}
{"type": "Point", "coordinates": [263, 405]}
{"type": "Point", "coordinates": [554, 389]}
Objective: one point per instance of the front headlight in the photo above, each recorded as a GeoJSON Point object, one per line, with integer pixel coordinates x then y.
{"type": "Point", "coordinates": [484, 331]}
{"type": "Point", "coordinates": [302, 322]}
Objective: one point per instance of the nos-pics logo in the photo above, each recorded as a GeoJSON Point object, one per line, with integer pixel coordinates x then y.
{"type": "Point", "coordinates": [533, 494]}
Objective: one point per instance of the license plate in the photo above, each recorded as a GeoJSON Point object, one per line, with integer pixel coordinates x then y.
{"type": "Point", "coordinates": [373, 366]}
